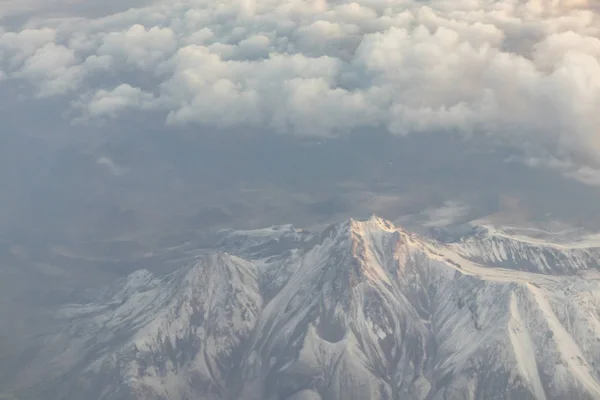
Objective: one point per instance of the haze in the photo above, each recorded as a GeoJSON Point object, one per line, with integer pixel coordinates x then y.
{"type": "Point", "coordinates": [129, 126]}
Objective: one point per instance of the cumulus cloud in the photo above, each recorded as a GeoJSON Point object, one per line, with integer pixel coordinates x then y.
{"type": "Point", "coordinates": [522, 72]}
{"type": "Point", "coordinates": [108, 103]}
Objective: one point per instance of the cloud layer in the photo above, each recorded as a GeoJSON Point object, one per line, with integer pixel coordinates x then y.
{"type": "Point", "coordinates": [522, 72]}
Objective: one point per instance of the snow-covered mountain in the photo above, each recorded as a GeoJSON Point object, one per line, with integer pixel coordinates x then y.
{"type": "Point", "coordinates": [363, 310]}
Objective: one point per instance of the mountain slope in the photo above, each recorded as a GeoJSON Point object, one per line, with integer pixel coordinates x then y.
{"type": "Point", "coordinates": [503, 248]}
{"type": "Point", "coordinates": [362, 310]}
{"type": "Point", "coordinates": [160, 337]}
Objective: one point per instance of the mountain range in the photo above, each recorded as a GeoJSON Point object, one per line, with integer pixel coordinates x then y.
{"type": "Point", "coordinates": [363, 309]}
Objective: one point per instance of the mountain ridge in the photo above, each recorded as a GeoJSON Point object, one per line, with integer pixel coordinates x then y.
{"type": "Point", "coordinates": [361, 310]}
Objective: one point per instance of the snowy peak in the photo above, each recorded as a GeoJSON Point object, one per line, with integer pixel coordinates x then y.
{"type": "Point", "coordinates": [359, 227]}
{"type": "Point", "coordinates": [361, 310]}
{"type": "Point", "coordinates": [373, 223]}
{"type": "Point", "coordinates": [354, 251]}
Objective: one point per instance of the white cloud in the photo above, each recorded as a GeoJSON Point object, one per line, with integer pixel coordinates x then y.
{"type": "Point", "coordinates": [138, 47]}
{"type": "Point", "coordinates": [110, 165]}
{"type": "Point", "coordinates": [523, 72]}
{"type": "Point", "coordinates": [109, 103]}
{"type": "Point", "coordinates": [53, 68]}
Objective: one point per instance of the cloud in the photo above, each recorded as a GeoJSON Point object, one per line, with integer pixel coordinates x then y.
{"type": "Point", "coordinates": [523, 73]}
{"type": "Point", "coordinates": [445, 215]}
{"type": "Point", "coordinates": [110, 165]}
{"type": "Point", "coordinates": [108, 103]}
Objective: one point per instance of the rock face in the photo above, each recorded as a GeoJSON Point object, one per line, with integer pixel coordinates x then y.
{"type": "Point", "coordinates": [363, 310]}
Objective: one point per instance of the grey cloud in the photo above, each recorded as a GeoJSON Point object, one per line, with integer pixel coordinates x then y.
{"type": "Point", "coordinates": [526, 73]}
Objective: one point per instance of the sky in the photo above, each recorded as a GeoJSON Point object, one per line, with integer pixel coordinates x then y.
{"type": "Point", "coordinates": [517, 78]}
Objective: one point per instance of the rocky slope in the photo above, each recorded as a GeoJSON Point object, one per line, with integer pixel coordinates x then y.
{"type": "Point", "coordinates": [362, 310]}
